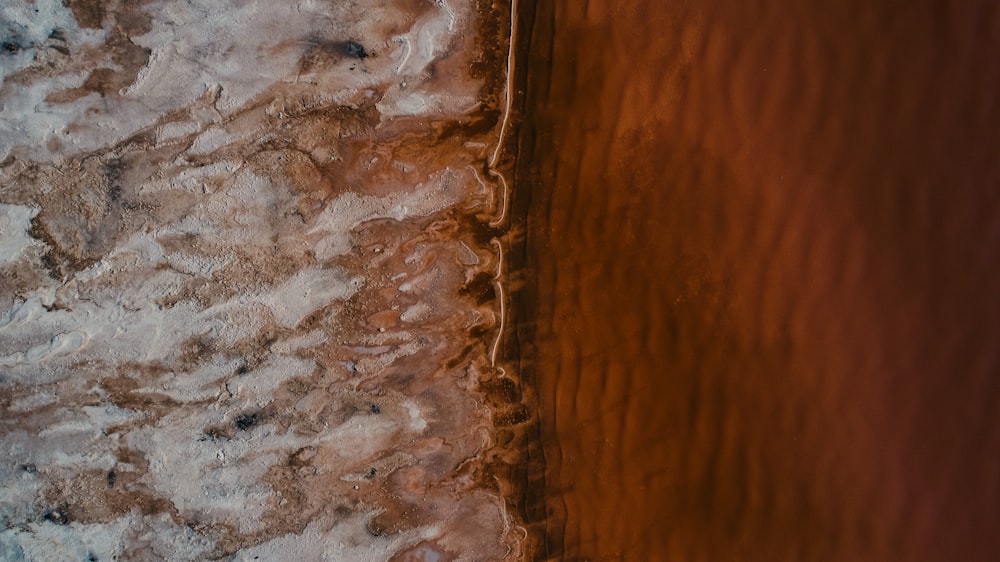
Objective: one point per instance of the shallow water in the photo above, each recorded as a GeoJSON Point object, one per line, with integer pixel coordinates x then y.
{"type": "Point", "coordinates": [763, 240]}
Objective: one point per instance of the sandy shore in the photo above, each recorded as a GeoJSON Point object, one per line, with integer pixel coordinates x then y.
{"type": "Point", "coordinates": [249, 297]}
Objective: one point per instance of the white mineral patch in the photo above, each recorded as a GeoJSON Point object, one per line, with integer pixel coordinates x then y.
{"type": "Point", "coordinates": [308, 290]}
{"type": "Point", "coordinates": [415, 313]}
{"type": "Point", "coordinates": [417, 422]}
{"type": "Point", "coordinates": [350, 210]}
{"type": "Point", "coordinates": [15, 221]}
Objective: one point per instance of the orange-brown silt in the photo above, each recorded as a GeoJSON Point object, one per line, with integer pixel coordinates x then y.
{"type": "Point", "coordinates": [763, 309]}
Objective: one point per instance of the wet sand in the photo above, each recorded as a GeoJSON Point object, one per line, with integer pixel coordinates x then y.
{"type": "Point", "coordinates": [762, 311]}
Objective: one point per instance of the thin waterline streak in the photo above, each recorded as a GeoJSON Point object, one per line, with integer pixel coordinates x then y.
{"type": "Point", "coordinates": [504, 124]}
{"type": "Point", "coordinates": [502, 297]}
{"type": "Point", "coordinates": [509, 78]}
{"type": "Point", "coordinates": [498, 280]}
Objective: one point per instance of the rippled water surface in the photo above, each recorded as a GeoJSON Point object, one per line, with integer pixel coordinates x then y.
{"type": "Point", "coordinates": [765, 238]}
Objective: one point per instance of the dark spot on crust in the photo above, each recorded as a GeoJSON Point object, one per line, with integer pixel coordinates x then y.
{"type": "Point", "coordinates": [214, 434]}
{"type": "Point", "coordinates": [29, 468]}
{"type": "Point", "coordinates": [371, 473]}
{"type": "Point", "coordinates": [55, 306]}
{"type": "Point", "coordinates": [113, 170]}
{"type": "Point", "coordinates": [244, 422]}
{"type": "Point", "coordinates": [375, 409]}
{"type": "Point", "coordinates": [111, 478]}
{"type": "Point", "coordinates": [354, 49]}
{"type": "Point", "coordinates": [10, 47]}
{"type": "Point", "coordinates": [320, 53]}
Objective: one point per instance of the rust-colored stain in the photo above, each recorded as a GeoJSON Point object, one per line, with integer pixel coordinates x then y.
{"type": "Point", "coordinates": [762, 304]}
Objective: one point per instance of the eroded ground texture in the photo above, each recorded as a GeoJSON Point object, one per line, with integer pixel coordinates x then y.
{"type": "Point", "coordinates": [248, 292]}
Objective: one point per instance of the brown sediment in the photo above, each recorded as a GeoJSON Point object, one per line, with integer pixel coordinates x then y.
{"type": "Point", "coordinates": [763, 246]}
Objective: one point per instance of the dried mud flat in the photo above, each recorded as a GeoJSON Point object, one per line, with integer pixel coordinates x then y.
{"type": "Point", "coordinates": [249, 298]}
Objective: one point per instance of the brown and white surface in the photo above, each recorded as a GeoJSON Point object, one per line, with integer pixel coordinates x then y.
{"type": "Point", "coordinates": [765, 245]}
{"type": "Point", "coordinates": [246, 305]}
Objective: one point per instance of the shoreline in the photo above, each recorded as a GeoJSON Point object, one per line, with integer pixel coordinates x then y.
{"type": "Point", "coordinates": [512, 395]}
{"type": "Point", "coordinates": [540, 516]}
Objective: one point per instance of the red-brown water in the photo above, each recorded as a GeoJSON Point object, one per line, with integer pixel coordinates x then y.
{"type": "Point", "coordinates": [765, 240]}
